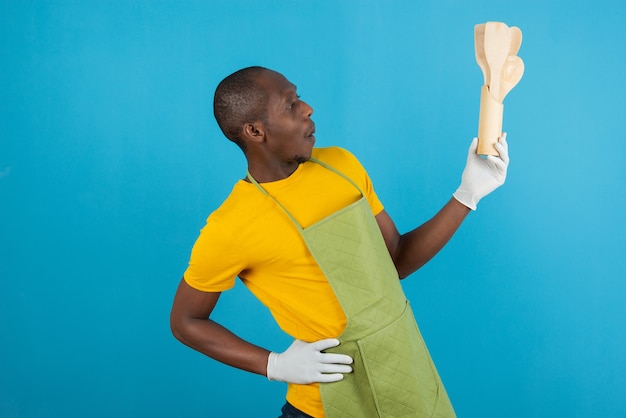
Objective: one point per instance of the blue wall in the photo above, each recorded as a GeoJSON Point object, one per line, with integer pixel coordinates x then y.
{"type": "Point", "coordinates": [110, 161]}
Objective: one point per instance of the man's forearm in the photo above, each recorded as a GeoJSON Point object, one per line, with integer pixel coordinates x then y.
{"type": "Point", "coordinates": [417, 247]}
{"type": "Point", "coordinates": [217, 342]}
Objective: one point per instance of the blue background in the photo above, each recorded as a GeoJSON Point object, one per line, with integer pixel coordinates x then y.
{"type": "Point", "coordinates": [110, 161]}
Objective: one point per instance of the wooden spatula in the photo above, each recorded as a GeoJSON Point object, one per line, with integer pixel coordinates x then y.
{"type": "Point", "coordinates": [479, 48]}
{"type": "Point", "coordinates": [497, 47]}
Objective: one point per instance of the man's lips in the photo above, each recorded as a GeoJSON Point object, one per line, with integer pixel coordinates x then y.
{"type": "Point", "coordinates": [311, 131]}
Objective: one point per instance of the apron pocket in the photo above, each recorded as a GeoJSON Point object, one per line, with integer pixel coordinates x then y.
{"type": "Point", "coordinates": [399, 369]}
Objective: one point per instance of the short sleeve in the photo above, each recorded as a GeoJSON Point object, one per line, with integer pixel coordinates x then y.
{"type": "Point", "coordinates": [215, 260]}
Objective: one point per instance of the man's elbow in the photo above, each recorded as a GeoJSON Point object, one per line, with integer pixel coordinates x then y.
{"type": "Point", "coordinates": [176, 327]}
{"type": "Point", "coordinates": [406, 267]}
{"type": "Point", "coordinates": [402, 274]}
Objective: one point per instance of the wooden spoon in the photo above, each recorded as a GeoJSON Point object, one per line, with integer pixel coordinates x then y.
{"type": "Point", "coordinates": [512, 72]}
{"type": "Point", "coordinates": [516, 40]}
{"type": "Point", "coordinates": [497, 47]}
{"type": "Point", "coordinates": [479, 48]}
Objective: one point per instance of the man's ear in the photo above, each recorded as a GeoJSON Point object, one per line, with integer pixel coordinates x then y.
{"type": "Point", "coordinates": [254, 131]}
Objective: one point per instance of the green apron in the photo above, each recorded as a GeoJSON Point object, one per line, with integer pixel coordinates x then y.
{"type": "Point", "coordinates": [393, 374]}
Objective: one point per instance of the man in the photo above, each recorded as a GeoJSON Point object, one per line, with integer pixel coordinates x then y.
{"type": "Point", "coordinates": [308, 236]}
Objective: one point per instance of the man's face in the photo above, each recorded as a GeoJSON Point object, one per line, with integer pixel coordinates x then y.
{"type": "Point", "coordinates": [289, 128]}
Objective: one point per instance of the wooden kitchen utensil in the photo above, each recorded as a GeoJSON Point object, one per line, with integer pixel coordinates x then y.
{"type": "Point", "coordinates": [516, 40]}
{"type": "Point", "coordinates": [512, 73]}
{"type": "Point", "coordinates": [497, 47]}
{"type": "Point", "coordinates": [489, 123]}
{"type": "Point", "coordinates": [479, 49]}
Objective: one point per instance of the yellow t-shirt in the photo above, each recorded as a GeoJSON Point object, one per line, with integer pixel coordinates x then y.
{"type": "Point", "coordinates": [251, 237]}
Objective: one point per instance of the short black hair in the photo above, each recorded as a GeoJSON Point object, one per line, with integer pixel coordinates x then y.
{"type": "Point", "coordinates": [239, 99]}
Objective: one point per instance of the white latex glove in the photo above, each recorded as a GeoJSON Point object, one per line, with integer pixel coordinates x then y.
{"type": "Point", "coordinates": [304, 363]}
{"type": "Point", "coordinates": [482, 176]}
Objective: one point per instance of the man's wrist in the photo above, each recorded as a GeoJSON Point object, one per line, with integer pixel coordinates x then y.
{"type": "Point", "coordinates": [466, 198]}
{"type": "Point", "coordinates": [271, 366]}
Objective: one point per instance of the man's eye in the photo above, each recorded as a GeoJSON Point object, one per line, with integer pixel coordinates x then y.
{"type": "Point", "coordinates": [293, 104]}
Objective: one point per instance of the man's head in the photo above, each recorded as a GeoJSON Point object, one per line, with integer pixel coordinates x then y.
{"type": "Point", "coordinates": [239, 99]}
{"type": "Point", "coordinates": [260, 110]}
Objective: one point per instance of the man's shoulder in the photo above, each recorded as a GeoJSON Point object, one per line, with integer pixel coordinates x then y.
{"type": "Point", "coordinates": [236, 207]}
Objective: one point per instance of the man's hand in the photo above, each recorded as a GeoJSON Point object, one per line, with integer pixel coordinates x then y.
{"type": "Point", "coordinates": [482, 175]}
{"type": "Point", "coordinates": [305, 363]}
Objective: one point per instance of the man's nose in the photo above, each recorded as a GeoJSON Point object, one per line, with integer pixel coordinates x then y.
{"type": "Point", "coordinates": [308, 110]}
